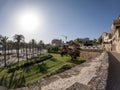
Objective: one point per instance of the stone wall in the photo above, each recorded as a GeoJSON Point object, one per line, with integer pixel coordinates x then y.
{"type": "Point", "coordinates": [91, 75]}
{"type": "Point", "coordinates": [99, 82]}
{"type": "Point", "coordinates": [89, 54]}
{"type": "Point", "coordinates": [117, 47]}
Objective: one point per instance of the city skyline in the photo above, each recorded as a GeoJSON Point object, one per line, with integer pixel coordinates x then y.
{"type": "Point", "coordinates": [74, 19]}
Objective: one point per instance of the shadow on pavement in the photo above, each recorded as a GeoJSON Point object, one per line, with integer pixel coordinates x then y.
{"type": "Point", "coordinates": [113, 81]}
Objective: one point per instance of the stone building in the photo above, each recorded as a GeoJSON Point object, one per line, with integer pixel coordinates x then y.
{"type": "Point", "coordinates": [116, 35]}
{"type": "Point", "coordinates": [57, 42]}
{"type": "Point", "coordinates": [111, 41]}
{"type": "Point", "coordinates": [106, 40]}
{"type": "Point", "coordinates": [71, 44]}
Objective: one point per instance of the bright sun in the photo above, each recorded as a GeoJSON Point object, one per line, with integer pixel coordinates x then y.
{"type": "Point", "coordinates": [29, 21]}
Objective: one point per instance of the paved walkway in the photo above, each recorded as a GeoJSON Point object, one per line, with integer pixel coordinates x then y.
{"type": "Point", "coordinates": [13, 58]}
{"type": "Point", "coordinates": [113, 82]}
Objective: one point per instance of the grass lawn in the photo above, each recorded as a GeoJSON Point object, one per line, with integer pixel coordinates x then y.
{"type": "Point", "coordinates": [29, 75]}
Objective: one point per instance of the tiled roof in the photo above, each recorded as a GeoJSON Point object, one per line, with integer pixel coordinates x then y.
{"type": "Point", "coordinates": [110, 36]}
{"type": "Point", "coordinates": [115, 22]}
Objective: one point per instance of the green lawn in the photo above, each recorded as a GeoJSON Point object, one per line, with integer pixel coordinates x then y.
{"type": "Point", "coordinates": [31, 74]}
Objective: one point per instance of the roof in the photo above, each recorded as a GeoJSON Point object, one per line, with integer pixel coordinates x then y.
{"type": "Point", "coordinates": [116, 22]}
{"type": "Point", "coordinates": [110, 36]}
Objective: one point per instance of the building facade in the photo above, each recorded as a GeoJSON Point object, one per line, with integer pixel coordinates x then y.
{"type": "Point", "coordinates": [116, 35]}
{"type": "Point", "coordinates": [106, 40]}
{"type": "Point", "coordinates": [111, 41]}
{"type": "Point", "coordinates": [57, 42]}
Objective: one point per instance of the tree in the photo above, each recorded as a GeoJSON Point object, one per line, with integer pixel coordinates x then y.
{"type": "Point", "coordinates": [64, 50]}
{"type": "Point", "coordinates": [0, 37]}
{"type": "Point", "coordinates": [30, 49]}
{"type": "Point", "coordinates": [26, 46]}
{"type": "Point", "coordinates": [18, 38]}
{"type": "Point", "coordinates": [10, 45]}
{"type": "Point", "coordinates": [53, 49]}
{"type": "Point", "coordinates": [74, 53]}
{"type": "Point", "coordinates": [33, 42]}
{"type": "Point", "coordinates": [0, 42]}
{"type": "Point", "coordinates": [77, 40]}
{"type": "Point", "coordinates": [4, 45]}
{"type": "Point", "coordinates": [40, 45]}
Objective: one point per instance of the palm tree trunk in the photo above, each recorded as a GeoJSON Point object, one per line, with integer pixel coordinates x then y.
{"type": "Point", "coordinates": [18, 52]}
{"type": "Point", "coordinates": [26, 53]}
{"type": "Point", "coordinates": [8, 53]}
{"type": "Point", "coordinates": [5, 57]}
{"type": "Point", "coordinates": [33, 51]}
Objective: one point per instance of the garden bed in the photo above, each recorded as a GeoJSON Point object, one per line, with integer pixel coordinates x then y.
{"type": "Point", "coordinates": [28, 72]}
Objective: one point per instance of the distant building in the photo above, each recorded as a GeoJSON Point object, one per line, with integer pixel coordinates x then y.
{"type": "Point", "coordinates": [72, 45]}
{"type": "Point", "coordinates": [106, 41]}
{"type": "Point", "coordinates": [57, 42]}
{"type": "Point", "coordinates": [82, 41]}
{"type": "Point", "coordinates": [107, 38]}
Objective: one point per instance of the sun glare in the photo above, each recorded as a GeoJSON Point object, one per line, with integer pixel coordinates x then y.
{"type": "Point", "coordinates": [29, 21]}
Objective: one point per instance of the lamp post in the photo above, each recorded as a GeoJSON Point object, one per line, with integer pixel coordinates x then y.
{"type": "Point", "coordinates": [65, 38]}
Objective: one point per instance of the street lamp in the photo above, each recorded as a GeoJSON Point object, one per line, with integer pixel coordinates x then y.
{"type": "Point", "coordinates": [65, 38]}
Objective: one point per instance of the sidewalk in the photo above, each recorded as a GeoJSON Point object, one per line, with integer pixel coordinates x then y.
{"type": "Point", "coordinates": [113, 82]}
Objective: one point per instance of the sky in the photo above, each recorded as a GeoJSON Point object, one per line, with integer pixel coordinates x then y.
{"type": "Point", "coordinates": [54, 18]}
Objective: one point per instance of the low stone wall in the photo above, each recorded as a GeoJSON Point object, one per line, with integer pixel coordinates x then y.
{"type": "Point", "coordinates": [99, 82]}
{"type": "Point", "coordinates": [89, 54]}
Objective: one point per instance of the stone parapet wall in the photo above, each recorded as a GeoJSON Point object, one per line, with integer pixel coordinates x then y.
{"type": "Point", "coordinates": [85, 54]}
{"type": "Point", "coordinates": [99, 82]}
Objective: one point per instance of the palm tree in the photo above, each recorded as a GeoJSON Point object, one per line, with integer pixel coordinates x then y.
{"type": "Point", "coordinates": [33, 42]}
{"type": "Point", "coordinates": [10, 47]}
{"type": "Point", "coordinates": [0, 37]}
{"type": "Point", "coordinates": [18, 38]}
{"type": "Point", "coordinates": [0, 46]}
{"type": "Point", "coordinates": [0, 41]}
{"type": "Point", "coordinates": [4, 45]}
{"type": "Point", "coordinates": [26, 46]}
{"type": "Point", "coordinates": [30, 49]}
{"type": "Point", "coordinates": [40, 46]}
{"type": "Point", "coordinates": [23, 48]}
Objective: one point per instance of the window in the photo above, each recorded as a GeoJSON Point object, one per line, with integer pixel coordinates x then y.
{"type": "Point", "coordinates": [117, 27]}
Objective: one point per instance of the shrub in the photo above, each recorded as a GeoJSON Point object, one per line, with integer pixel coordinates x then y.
{"type": "Point", "coordinates": [43, 67]}
{"type": "Point", "coordinates": [53, 49]}
{"type": "Point", "coordinates": [11, 70]}
{"type": "Point", "coordinates": [77, 61]}
{"type": "Point", "coordinates": [64, 67]}
{"type": "Point", "coordinates": [27, 64]}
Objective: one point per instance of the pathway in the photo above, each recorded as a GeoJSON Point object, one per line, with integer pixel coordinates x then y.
{"type": "Point", "coordinates": [113, 82]}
